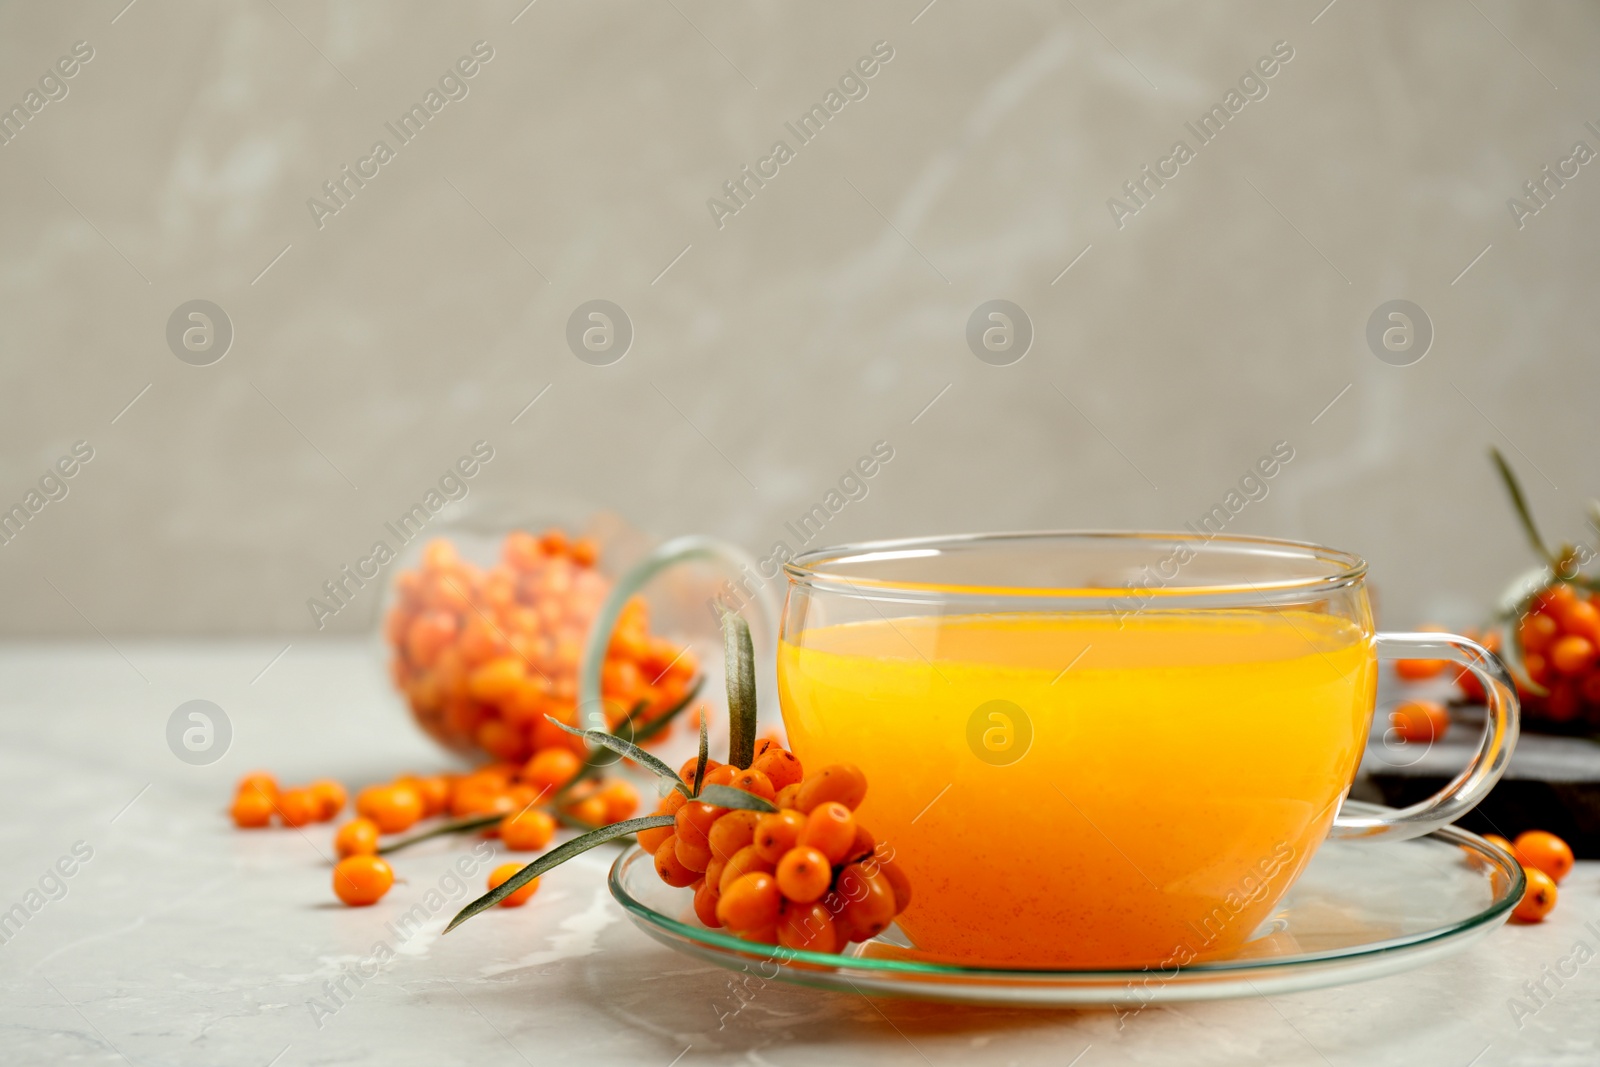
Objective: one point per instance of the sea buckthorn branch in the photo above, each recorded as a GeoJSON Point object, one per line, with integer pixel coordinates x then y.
{"type": "Point", "coordinates": [554, 858]}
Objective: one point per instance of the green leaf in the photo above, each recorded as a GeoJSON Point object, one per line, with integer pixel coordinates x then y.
{"type": "Point", "coordinates": [1520, 503]}
{"type": "Point", "coordinates": [700, 763]}
{"type": "Point", "coordinates": [555, 858]}
{"type": "Point", "coordinates": [454, 826]}
{"type": "Point", "coordinates": [740, 657]}
{"type": "Point", "coordinates": [629, 749]}
{"type": "Point", "coordinates": [726, 796]}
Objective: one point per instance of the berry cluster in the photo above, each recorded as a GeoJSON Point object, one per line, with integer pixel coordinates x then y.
{"type": "Point", "coordinates": [1560, 639]}
{"type": "Point", "coordinates": [804, 876]}
{"type": "Point", "coordinates": [258, 798]}
{"type": "Point", "coordinates": [486, 657]}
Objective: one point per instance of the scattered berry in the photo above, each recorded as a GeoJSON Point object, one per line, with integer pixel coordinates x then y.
{"type": "Point", "coordinates": [358, 837]}
{"type": "Point", "coordinates": [1420, 721]}
{"type": "Point", "coordinates": [1537, 899]}
{"type": "Point", "coordinates": [519, 896]}
{"type": "Point", "coordinates": [361, 880]}
{"type": "Point", "coordinates": [1545, 852]}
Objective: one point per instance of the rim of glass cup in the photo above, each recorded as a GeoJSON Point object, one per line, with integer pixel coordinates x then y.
{"type": "Point", "coordinates": [810, 569]}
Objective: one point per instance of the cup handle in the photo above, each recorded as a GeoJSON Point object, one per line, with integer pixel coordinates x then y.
{"type": "Point", "coordinates": [1487, 764]}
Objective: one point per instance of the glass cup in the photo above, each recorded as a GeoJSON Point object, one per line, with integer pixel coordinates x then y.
{"type": "Point", "coordinates": [1103, 749]}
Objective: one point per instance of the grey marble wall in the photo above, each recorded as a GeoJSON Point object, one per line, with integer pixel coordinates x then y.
{"type": "Point", "coordinates": [576, 153]}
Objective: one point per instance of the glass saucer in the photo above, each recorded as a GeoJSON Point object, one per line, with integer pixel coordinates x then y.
{"type": "Point", "coordinates": [1361, 910]}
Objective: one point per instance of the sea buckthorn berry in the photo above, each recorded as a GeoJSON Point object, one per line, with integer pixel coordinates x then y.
{"type": "Point", "coordinates": [705, 903]}
{"type": "Point", "coordinates": [808, 927]}
{"type": "Point", "coordinates": [1499, 842]}
{"type": "Point", "coordinates": [433, 792]}
{"type": "Point", "coordinates": [393, 807]}
{"type": "Point", "coordinates": [1572, 654]}
{"type": "Point", "coordinates": [358, 837]}
{"type": "Point", "coordinates": [777, 833]}
{"type": "Point", "coordinates": [1537, 632]}
{"type": "Point", "coordinates": [591, 810]}
{"type": "Point", "coordinates": [251, 809]}
{"type": "Point", "coordinates": [755, 783]}
{"type": "Point", "coordinates": [519, 896]}
{"type": "Point", "coordinates": [842, 782]}
{"type": "Point", "coordinates": [804, 874]}
{"type": "Point", "coordinates": [693, 853]}
{"type": "Point", "coordinates": [780, 766]}
{"type": "Point", "coordinates": [723, 775]}
{"type": "Point", "coordinates": [788, 796]}
{"type": "Point", "coordinates": [686, 772]}
{"type": "Point", "coordinates": [1420, 721]}
{"type": "Point", "coordinates": [1536, 668]}
{"type": "Point", "coordinates": [764, 745]}
{"type": "Point", "coordinates": [297, 807]}
{"type": "Point", "coordinates": [622, 800]}
{"type": "Point", "coordinates": [527, 831]}
{"type": "Point", "coordinates": [360, 880]}
{"type": "Point", "coordinates": [869, 903]}
{"type": "Point", "coordinates": [1544, 851]}
{"type": "Point", "coordinates": [330, 797]}
{"type": "Point", "coordinates": [472, 796]}
{"type": "Point", "coordinates": [672, 802]}
{"type": "Point", "coordinates": [751, 902]}
{"type": "Point", "coordinates": [695, 819]}
{"type": "Point", "coordinates": [1583, 619]}
{"type": "Point", "coordinates": [651, 839]}
{"type": "Point", "coordinates": [1417, 670]}
{"type": "Point", "coordinates": [551, 769]}
{"type": "Point", "coordinates": [1538, 898]}
{"type": "Point", "coordinates": [862, 845]}
{"type": "Point", "coordinates": [714, 869]}
{"type": "Point", "coordinates": [744, 861]}
{"type": "Point", "coordinates": [899, 884]}
{"type": "Point", "coordinates": [258, 781]}
{"type": "Point", "coordinates": [767, 935]}
{"type": "Point", "coordinates": [731, 832]}
{"type": "Point", "coordinates": [831, 830]}
{"type": "Point", "coordinates": [670, 868]}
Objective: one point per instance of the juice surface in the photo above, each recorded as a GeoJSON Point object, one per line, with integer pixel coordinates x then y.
{"type": "Point", "coordinates": [1181, 769]}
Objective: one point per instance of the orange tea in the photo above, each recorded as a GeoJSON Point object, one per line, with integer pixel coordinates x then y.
{"type": "Point", "coordinates": [1082, 790]}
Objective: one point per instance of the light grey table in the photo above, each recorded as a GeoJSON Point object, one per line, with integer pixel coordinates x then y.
{"type": "Point", "coordinates": [183, 941]}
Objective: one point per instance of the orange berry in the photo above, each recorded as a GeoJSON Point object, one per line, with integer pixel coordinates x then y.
{"type": "Point", "coordinates": [842, 782]}
{"type": "Point", "coordinates": [251, 809]}
{"type": "Point", "coordinates": [1418, 721]}
{"type": "Point", "coordinates": [591, 810]}
{"type": "Point", "coordinates": [1416, 670]}
{"type": "Point", "coordinates": [706, 896]}
{"type": "Point", "coordinates": [554, 542]}
{"type": "Point", "coordinates": [755, 783]}
{"type": "Point", "coordinates": [780, 766]}
{"type": "Point", "coordinates": [714, 869]}
{"type": "Point", "coordinates": [1536, 667]}
{"type": "Point", "coordinates": [899, 884]}
{"type": "Point", "coordinates": [584, 552]}
{"type": "Point", "coordinates": [621, 799]}
{"type": "Point", "coordinates": [869, 903]}
{"type": "Point", "coordinates": [777, 833]}
{"type": "Point", "coordinates": [330, 797]}
{"type": "Point", "coordinates": [258, 781]}
{"type": "Point", "coordinates": [686, 772]}
{"type": "Point", "coordinates": [1572, 654]}
{"type": "Point", "coordinates": [731, 832]}
{"type": "Point", "coordinates": [358, 837]}
{"type": "Point", "coordinates": [693, 853]}
{"type": "Point", "coordinates": [1537, 632]}
{"type": "Point", "coordinates": [788, 797]}
{"type": "Point", "coordinates": [672, 802]}
{"type": "Point", "coordinates": [804, 874]}
{"type": "Point", "coordinates": [393, 807]}
{"type": "Point", "coordinates": [1582, 618]}
{"type": "Point", "coordinates": [1537, 899]}
{"type": "Point", "coordinates": [519, 896]}
{"type": "Point", "coordinates": [831, 830]}
{"type": "Point", "coordinates": [808, 927]}
{"type": "Point", "coordinates": [1544, 851]}
{"type": "Point", "coordinates": [551, 769]}
{"type": "Point", "coordinates": [1499, 842]}
{"type": "Point", "coordinates": [864, 844]}
{"type": "Point", "coordinates": [434, 791]}
{"type": "Point", "coordinates": [651, 839]}
{"type": "Point", "coordinates": [750, 902]}
{"type": "Point", "coordinates": [360, 880]}
{"type": "Point", "coordinates": [722, 775]}
{"type": "Point", "coordinates": [670, 868]}
{"type": "Point", "coordinates": [296, 807]}
{"type": "Point", "coordinates": [527, 831]}
{"type": "Point", "coordinates": [744, 861]}
{"type": "Point", "coordinates": [695, 819]}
